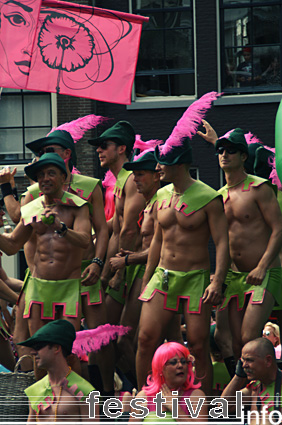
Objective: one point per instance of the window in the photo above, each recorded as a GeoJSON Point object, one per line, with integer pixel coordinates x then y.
{"type": "Point", "coordinates": [166, 58]}
{"type": "Point", "coordinates": [24, 116]}
{"type": "Point", "coordinates": [250, 46]}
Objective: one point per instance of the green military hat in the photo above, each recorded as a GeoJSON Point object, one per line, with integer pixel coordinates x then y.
{"type": "Point", "coordinates": [176, 154]}
{"type": "Point", "coordinates": [57, 137]}
{"type": "Point", "coordinates": [236, 138]}
{"type": "Point", "coordinates": [121, 133]}
{"type": "Point", "coordinates": [258, 160]}
{"type": "Point", "coordinates": [46, 159]}
{"type": "Point", "coordinates": [143, 162]}
{"type": "Point", "coordinates": [59, 332]}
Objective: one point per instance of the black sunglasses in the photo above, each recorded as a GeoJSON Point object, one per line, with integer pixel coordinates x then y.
{"type": "Point", "coordinates": [221, 149]}
{"type": "Point", "coordinates": [105, 144]}
{"type": "Point", "coordinates": [39, 345]}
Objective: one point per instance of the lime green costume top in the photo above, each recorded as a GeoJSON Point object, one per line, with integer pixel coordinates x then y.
{"type": "Point", "coordinates": [120, 182]}
{"type": "Point", "coordinates": [266, 394]}
{"type": "Point", "coordinates": [41, 395]}
{"type": "Point", "coordinates": [33, 210]}
{"type": "Point", "coordinates": [249, 182]}
{"type": "Point", "coordinates": [193, 199]}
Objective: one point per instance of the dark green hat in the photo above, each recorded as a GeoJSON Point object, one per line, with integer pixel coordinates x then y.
{"type": "Point", "coordinates": [236, 138]}
{"type": "Point", "coordinates": [176, 155]}
{"type": "Point", "coordinates": [144, 162]}
{"type": "Point", "coordinates": [258, 160]}
{"type": "Point", "coordinates": [59, 332]}
{"type": "Point", "coordinates": [57, 137]}
{"type": "Point", "coordinates": [46, 159]}
{"type": "Point", "coordinates": [121, 133]}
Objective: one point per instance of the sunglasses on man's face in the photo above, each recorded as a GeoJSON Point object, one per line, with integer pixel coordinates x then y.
{"type": "Point", "coordinates": [229, 150]}
{"type": "Point", "coordinates": [49, 149]}
{"type": "Point", "coordinates": [266, 333]}
{"type": "Point", "coordinates": [39, 345]}
{"type": "Point", "coordinates": [105, 144]}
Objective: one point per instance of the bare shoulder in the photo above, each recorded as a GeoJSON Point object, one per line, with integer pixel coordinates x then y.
{"type": "Point", "coordinates": [198, 393]}
{"type": "Point", "coordinates": [263, 191]}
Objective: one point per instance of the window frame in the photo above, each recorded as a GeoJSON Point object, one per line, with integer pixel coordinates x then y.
{"type": "Point", "coordinates": [161, 102]}
{"type": "Point", "coordinates": [21, 163]}
{"type": "Point", "coordinates": [236, 97]}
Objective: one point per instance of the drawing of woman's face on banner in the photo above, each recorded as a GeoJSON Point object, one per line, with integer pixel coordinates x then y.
{"type": "Point", "coordinates": [18, 21]}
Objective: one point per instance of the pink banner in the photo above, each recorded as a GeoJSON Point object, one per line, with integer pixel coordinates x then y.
{"type": "Point", "coordinates": [67, 48]}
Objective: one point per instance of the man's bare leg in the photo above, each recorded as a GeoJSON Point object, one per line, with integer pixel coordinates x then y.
{"type": "Point", "coordinates": [21, 333]}
{"type": "Point", "coordinates": [130, 317]}
{"type": "Point", "coordinates": [197, 331]}
{"type": "Point", "coordinates": [153, 322]}
{"type": "Point", "coordinates": [114, 310]}
{"type": "Point", "coordinates": [95, 316]}
{"type": "Point", "coordinates": [7, 358]}
{"type": "Point", "coordinates": [235, 322]}
{"type": "Point", "coordinates": [173, 332]}
{"type": "Point", "coordinates": [255, 317]}
{"type": "Point", "coordinates": [223, 339]}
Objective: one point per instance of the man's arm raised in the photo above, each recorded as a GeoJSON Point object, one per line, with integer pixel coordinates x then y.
{"type": "Point", "coordinates": [210, 135]}
{"type": "Point", "coordinates": [219, 232]}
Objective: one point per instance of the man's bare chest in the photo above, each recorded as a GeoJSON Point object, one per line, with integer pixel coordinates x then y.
{"type": "Point", "coordinates": [169, 217]}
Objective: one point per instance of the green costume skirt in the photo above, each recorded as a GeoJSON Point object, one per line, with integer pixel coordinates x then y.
{"type": "Point", "coordinates": [26, 277]}
{"type": "Point", "coordinates": [178, 286]}
{"type": "Point", "coordinates": [52, 293]}
{"type": "Point", "coordinates": [239, 289]}
{"type": "Point", "coordinates": [93, 292]}
{"type": "Point", "coordinates": [131, 273]}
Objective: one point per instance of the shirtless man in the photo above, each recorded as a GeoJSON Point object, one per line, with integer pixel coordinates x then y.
{"type": "Point", "coordinates": [177, 272]}
{"type": "Point", "coordinates": [255, 238]}
{"type": "Point", "coordinates": [59, 245]}
{"type": "Point", "coordinates": [147, 182]}
{"type": "Point", "coordinates": [61, 394]}
{"type": "Point", "coordinates": [113, 147]}
{"type": "Point", "coordinates": [89, 189]}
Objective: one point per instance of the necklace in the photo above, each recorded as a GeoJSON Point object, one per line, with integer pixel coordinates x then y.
{"type": "Point", "coordinates": [236, 184]}
{"type": "Point", "coordinates": [59, 398]}
{"type": "Point", "coordinates": [51, 205]}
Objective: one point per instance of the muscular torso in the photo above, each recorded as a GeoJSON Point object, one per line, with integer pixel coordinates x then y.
{"type": "Point", "coordinates": [148, 226]}
{"type": "Point", "coordinates": [185, 239]}
{"type": "Point", "coordinates": [248, 232]}
{"type": "Point", "coordinates": [55, 258]}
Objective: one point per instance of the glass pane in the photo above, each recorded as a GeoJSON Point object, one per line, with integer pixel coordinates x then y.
{"type": "Point", "coordinates": [226, 2]}
{"type": "Point", "coordinates": [37, 110]}
{"type": "Point", "coordinates": [266, 24]}
{"type": "Point", "coordinates": [11, 142]}
{"type": "Point", "coordinates": [178, 49]}
{"type": "Point", "coordinates": [236, 27]}
{"type": "Point", "coordinates": [158, 4]}
{"type": "Point", "coordinates": [270, 64]}
{"type": "Point", "coordinates": [165, 85]}
{"type": "Point", "coordinates": [10, 111]}
{"type": "Point", "coordinates": [35, 133]}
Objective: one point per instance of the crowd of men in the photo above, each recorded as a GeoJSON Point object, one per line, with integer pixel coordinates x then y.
{"type": "Point", "coordinates": [148, 266]}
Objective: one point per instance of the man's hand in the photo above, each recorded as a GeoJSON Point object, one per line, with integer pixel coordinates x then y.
{"type": "Point", "coordinates": [212, 294]}
{"type": "Point", "coordinates": [256, 276]}
{"type": "Point", "coordinates": [210, 135]}
{"type": "Point", "coordinates": [118, 262]}
{"type": "Point", "coordinates": [116, 281]}
{"type": "Point", "coordinates": [91, 274]}
{"type": "Point", "coordinates": [6, 176]}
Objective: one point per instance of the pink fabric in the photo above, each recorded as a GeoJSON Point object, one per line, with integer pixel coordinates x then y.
{"type": "Point", "coordinates": [69, 48]}
{"type": "Point", "coordinates": [278, 352]}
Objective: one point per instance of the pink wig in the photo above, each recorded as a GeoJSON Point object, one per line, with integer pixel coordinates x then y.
{"type": "Point", "coordinates": [163, 353]}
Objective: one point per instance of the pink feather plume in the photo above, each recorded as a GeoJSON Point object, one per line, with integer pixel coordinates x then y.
{"type": "Point", "coordinates": [93, 339]}
{"type": "Point", "coordinates": [250, 138]}
{"type": "Point", "coordinates": [188, 124]}
{"type": "Point", "coordinates": [150, 144]}
{"type": "Point", "coordinates": [78, 127]}
{"type": "Point", "coordinates": [109, 180]}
